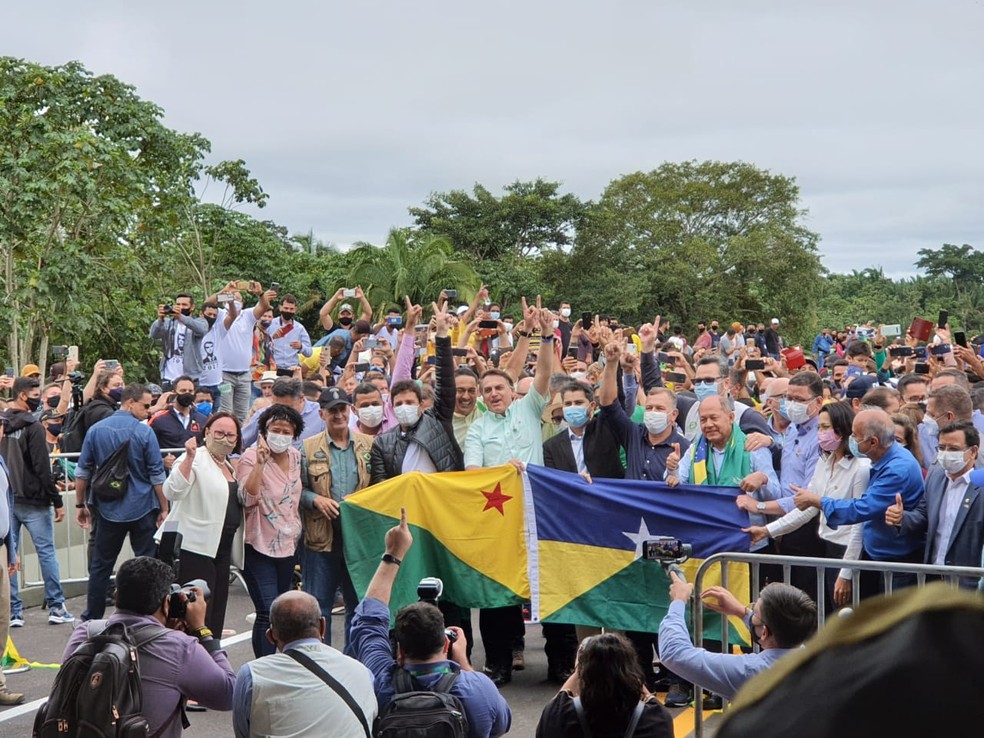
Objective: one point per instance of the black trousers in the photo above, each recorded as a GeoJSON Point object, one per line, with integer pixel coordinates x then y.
{"type": "Point", "coordinates": [216, 573]}
{"type": "Point", "coordinates": [873, 583]}
{"type": "Point", "coordinates": [804, 541]}
{"type": "Point", "coordinates": [501, 628]}
{"type": "Point", "coordinates": [560, 646]}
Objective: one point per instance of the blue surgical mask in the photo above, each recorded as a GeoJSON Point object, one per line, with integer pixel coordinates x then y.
{"type": "Point", "coordinates": [576, 417]}
{"type": "Point", "coordinates": [703, 391]}
{"type": "Point", "coordinates": [204, 407]}
{"type": "Point", "coordinates": [494, 315]}
{"type": "Point", "coordinates": [853, 446]}
{"type": "Point", "coordinates": [784, 408]}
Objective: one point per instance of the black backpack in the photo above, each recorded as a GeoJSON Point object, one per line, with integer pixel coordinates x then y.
{"type": "Point", "coordinates": [112, 477]}
{"type": "Point", "coordinates": [418, 712]}
{"type": "Point", "coordinates": [73, 432]}
{"type": "Point", "coordinates": [97, 691]}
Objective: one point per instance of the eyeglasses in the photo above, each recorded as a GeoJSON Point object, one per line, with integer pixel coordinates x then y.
{"type": "Point", "coordinates": [224, 436]}
{"type": "Point", "coordinates": [715, 380]}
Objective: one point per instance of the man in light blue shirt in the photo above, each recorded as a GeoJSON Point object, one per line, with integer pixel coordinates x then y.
{"type": "Point", "coordinates": [140, 511]}
{"type": "Point", "coordinates": [289, 337]}
{"type": "Point", "coordinates": [781, 619]}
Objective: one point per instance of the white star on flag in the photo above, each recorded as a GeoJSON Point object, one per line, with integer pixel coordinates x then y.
{"type": "Point", "coordinates": [639, 538]}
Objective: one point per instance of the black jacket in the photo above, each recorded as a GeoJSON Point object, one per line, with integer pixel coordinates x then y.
{"type": "Point", "coordinates": [434, 431]}
{"type": "Point", "coordinates": [601, 452]}
{"type": "Point", "coordinates": [96, 409]}
{"type": "Point", "coordinates": [25, 449]}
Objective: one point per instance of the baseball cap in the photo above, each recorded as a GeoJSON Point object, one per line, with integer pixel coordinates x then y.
{"type": "Point", "coordinates": [56, 369]}
{"type": "Point", "coordinates": [859, 386]}
{"type": "Point", "coordinates": [775, 321]}
{"type": "Point", "coordinates": [462, 309]}
{"type": "Point", "coordinates": [155, 390]}
{"type": "Point", "coordinates": [51, 415]}
{"type": "Point", "coordinates": [30, 370]}
{"type": "Point", "coordinates": [345, 307]}
{"type": "Point", "coordinates": [332, 397]}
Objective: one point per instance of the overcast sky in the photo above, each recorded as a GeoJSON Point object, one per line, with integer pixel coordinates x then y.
{"type": "Point", "coordinates": [348, 113]}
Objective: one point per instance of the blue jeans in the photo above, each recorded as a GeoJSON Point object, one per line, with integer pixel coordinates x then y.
{"type": "Point", "coordinates": [110, 536]}
{"type": "Point", "coordinates": [322, 573]}
{"type": "Point", "coordinates": [266, 578]}
{"type": "Point", "coordinates": [39, 522]}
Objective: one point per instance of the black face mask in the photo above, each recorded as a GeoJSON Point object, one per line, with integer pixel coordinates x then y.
{"type": "Point", "coordinates": [286, 317]}
{"type": "Point", "coordinates": [33, 403]}
{"type": "Point", "coordinates": [264, 324]}
{"type": "Point", "coordinates": [53, 401]}
{"type": "Point", "coordinates": [185, 399]}
{"type": "Point", "coordinates": [346, 321]}
{"type": "Point", "coordinates": [211, 321]}
{"type": "Point", "coordinates": [186, 311]}
{"type": "Point", "coordinates": [55, 429]}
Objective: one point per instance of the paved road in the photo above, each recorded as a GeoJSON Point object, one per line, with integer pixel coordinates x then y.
{"type": "Point", "coordinates": [39, 642]}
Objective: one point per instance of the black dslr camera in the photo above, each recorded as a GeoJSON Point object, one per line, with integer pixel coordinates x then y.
{"type": "Point", "coordinates": [430, 590]}
{"type": "Point", "coordinates": [669, 552]}
{"type": "Point", "coordinates": [178, 605]}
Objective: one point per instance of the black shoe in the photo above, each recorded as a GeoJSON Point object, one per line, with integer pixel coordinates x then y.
{"type": "Point", "coordinates": [518, 660]}
{"type": "Point", "coordinates": [712, 702]}
{"type": "Point", "coordinates": [559, 676]}
{"type": "Point", "coordinates": [661, 685]}
{"type": "Point", "coordinates": [679, 695]}
{"type": "Point", "coordinates": [498, 675]}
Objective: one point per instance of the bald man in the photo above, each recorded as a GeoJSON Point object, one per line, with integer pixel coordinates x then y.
{"type": "Point", "coordinates": [895, 475]}
{"type": "Point", "coordinates": [284, 694]}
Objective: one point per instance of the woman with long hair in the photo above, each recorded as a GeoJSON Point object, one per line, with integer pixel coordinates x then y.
{"type": "Point", "coordinates": [604, 696]}
{"type": "Point", "coordinates": [905, 430]}
{"type": "Point", "coordinates": [269, 475]}
{"type": "Point", "coordinates": [205, 505]}
{"type": "Point", "coordinates": [840, 475]}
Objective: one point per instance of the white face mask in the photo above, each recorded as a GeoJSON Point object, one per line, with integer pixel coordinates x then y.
{"type": "Point", "coordinates": [556, 323]}
{"type": "Point", "coordinates": [798, 412]}
{"type": "Point", "coordinates": [952, 461]}
{"type": "Point", "coordinates": [565, 312]}
{"type": "Point", "coordinates": [371, 415]}
{"type": "Point", "coordinates": [655, 422]}
{"type": "Point", "coordinates": [406, 414]}
{"type": "Point", "coordinates": [278, 442]}
{"type": "Point", "coordinates": [509, 326]}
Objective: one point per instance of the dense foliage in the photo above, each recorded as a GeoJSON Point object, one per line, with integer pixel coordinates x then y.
{"type": "Point", "coordinates": [103, 216]}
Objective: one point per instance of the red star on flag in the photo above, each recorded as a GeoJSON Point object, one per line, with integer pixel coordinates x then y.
{"type": "Point", "coordinates": [495, 499]}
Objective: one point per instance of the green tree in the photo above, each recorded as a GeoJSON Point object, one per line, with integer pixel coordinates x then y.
{"type": "Point", "coordinates": [529, 219]}
{"type": "Point", "coordinates": [960, 270]}
{"type": "Point", "coordinates": [695, 241]}
{"type": "Point", "coordinates": [416, 265]}
{"type": "Point", "coordinates": [86, 169]}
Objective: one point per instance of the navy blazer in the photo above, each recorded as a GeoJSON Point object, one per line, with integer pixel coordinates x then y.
{"type": "Point", "coordinates": [966, 539]}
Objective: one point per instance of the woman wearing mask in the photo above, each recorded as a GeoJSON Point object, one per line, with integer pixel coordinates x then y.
{"type": "Point", "coordinates": [605, 697]}
{"type": "Point", "coordinates": [204, 497]}
{"type": "Point", "coordinates": [269, 477]}
{"type": "Point", "coordinates": [840, 475]}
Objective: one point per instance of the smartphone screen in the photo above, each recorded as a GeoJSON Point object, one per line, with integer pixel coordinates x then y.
{"type": "Point", "coordinates": [459, 351]}
{"type": "Point", "coordinates": [755, 365]}
{"type": "Point", "coordinates": [361, 367]}
{"type": "Point", "coordinates": [961, 338]}
{"type": "Point", "coordinates": [943, 319]}
{"type": "Point", "coordinates": [488, 324]}
{"type": "Point", "coordinates": [675, 377]}
{"type": "Point", "coordinates": [73, 353]}
{"type": "Point", "coordinates": [586, 319]}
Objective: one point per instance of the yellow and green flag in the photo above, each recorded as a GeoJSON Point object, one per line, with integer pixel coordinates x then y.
{"type": "Point", "coordinates": [468, 529]}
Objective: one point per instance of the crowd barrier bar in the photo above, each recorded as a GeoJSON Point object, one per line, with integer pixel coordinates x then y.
{"type": "Point", "coordinates": [950, 574]}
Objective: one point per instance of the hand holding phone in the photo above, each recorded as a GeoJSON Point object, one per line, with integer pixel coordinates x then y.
{"type": "Point", "coordinates": [943, 319]}
{"type": "Point", "coordinates": [348, 292]}
{"type": "Point", "coordinates": [960, 337]}
{"type": "Point", "coordinates": [755, 365]}
{"type": "Point", "coordinates": [111, 364]}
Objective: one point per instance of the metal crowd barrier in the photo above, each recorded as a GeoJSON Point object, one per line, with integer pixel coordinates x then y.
{"type": "Point", "coordinates": [949, 574]}
{"type": "Point", "coordinates": [70, 539]}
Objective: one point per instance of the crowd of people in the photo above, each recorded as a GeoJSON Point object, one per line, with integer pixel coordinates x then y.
{"type": "Point", "coordinates": [861, 447]}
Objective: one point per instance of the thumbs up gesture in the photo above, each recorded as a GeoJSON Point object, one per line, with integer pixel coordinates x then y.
{"type": "Point", "coordinates": [893, 514]}
{"type": "Point", "coordinates": [673, 460]}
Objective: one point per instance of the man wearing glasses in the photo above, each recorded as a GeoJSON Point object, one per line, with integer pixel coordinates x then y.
{"type": "Point", "coordinates": [781, 619]}
{"type": "Point", "coordinates": [138, 512]}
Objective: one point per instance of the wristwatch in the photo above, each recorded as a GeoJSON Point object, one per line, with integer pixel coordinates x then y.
{"type": "Point", "coordinates": [391, 559]}
{"type": "Point", "coordinates": [760, 506]}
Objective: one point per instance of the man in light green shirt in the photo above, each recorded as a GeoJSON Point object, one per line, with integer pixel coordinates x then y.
{"type": "Point", "coordinates": [510, 433]}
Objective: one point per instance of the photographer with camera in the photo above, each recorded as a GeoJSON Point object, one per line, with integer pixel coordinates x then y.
{"type": "Point", "coordinates": [181, 338]}
{"type": "Point", "coordinates": [423, 650]}
{"type": "Point", "coordinates": [183, 661]}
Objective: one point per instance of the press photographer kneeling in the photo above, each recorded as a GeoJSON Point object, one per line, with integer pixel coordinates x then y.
{"type": "Point", "coordinates": [424, 651]}
{"type": "Point", "coordinates": [180, 662]}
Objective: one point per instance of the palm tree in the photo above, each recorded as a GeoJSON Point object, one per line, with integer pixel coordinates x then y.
{"type": "Point", "coordinates": [418, 266]}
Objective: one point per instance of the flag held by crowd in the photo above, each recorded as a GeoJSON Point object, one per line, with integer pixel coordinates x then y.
{"type": "Point", "coordinates": [574, 550]}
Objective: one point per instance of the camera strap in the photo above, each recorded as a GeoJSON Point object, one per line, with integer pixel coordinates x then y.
{"type": "Point", "coordinates": [311, 665]}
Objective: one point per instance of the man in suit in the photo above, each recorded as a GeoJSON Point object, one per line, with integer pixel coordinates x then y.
{"type": "Point", "coordinates": [587, 447]}
{"type": "Point", "coordinates": [951, 511]}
